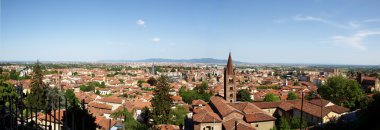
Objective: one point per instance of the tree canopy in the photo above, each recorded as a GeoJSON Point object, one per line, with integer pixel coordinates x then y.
{"type": "Point", "coordinates": [37, 97]}
{"type": "Point", "coordinates": [342, 91]}
{"type": "Point", "coordinates": [6, 90]}
{"type": "Point", "coordinates": [244, 95]}
{"type": "Point", "coordinates": [152, 81]}
{"type": "Point", "coordinates": [161, 102]}
{"type": "Point", "coordinates": [292, 96]}
{"type": "Point", "coordinates": [190, 95]}
{"type": "Point", "coordinates": [270, 97]}
{"type": "Point", "coordinates": [179, 115]}
{"type": "Point", "coordinates": [202, 88]}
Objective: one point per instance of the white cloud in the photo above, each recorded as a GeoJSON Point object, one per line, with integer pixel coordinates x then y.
{"type": "Point", "coordinates": [279, 21]}
{"type": "Point", "coordinates": [371, 20]}
{"type": "Point", "coordinates": [349, 25]}
{"type": "Point", "coordinates": [141, 23]}
{"type": "Point", "coordinates": [156, 39]}
{"type": "Point", "coordinates": [354, 40]}
{"type": "Point", "coordinates": [353, 24]}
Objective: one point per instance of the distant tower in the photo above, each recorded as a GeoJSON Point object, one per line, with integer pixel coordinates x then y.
{"type": "Point", "coordinates": [229, 81]}
{"type": "Point", "coordinates": [153, 71]}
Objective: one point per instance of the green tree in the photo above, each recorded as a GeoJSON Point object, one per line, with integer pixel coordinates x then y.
{"type": "Point", "coordinates": [121, 80]}
{"type": "Point", "coordinates": [87, 88]}
{"type": "Point", "coordinates": [292, 96]}
{"type": "Point", "coordinates": [54, 95]}
{"type": "Point", "coordinates": [297, 83]}
{"type": "Point", "coordinates": [79, 118]}
{"type": "Point", "coordinates": [161, 102]}
{"type": "Point", "coordinates": [179, 114]}
{"type": "Point", "coordinates": [244, 95]}
{"type": "Point", "coordinates": [284, 124]}
{"type": "Point", "coordinates": [14, 75]}
{"type": "Point", "coordinates": [6, 90]}
{"type": "Point", "coordinates": [295, 123]}
{"type": "Point", "coordinates": [70, 96]}
{"type": "Point", "coordinates": [342, 91]}
{"type": "Point", "coordinates": [152, 81]}
{"type": "Point", "coordinates": [37, 97]}
{"type": "Point", "coordinates": [130, 123]}
{"type": "Point", "coordinates": [140, 82]}
{"type": "Point", "coordinates": [270, 97]}
{"type": "Point", "coordinates": [202, 88]}
{"type": "Point", "coordinates": [146, 116]}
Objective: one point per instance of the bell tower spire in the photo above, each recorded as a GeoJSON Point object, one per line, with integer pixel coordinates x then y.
{"type": "Point", "coordinates": [229, 81]}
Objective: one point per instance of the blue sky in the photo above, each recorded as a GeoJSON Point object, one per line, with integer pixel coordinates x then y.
{"type": "Point", "coordinates": [257, 31]}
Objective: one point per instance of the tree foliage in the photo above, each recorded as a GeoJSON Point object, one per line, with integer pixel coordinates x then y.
{"type": "Point", "coordinates": [292, 96]}
{"type": "Point", "coordinates": [146, 116]}
{"type": "Point", "coordinates": [244, 95]}
{"type": "Point", "coordinates": [6, 90]}
{"type": "Point", "coordinates": [91, 86]}
{"type": "Point", "coordinates": [284, 124]}
{"type": "Point", "coordinates": [161, 102]}
{"type": "Point", "coordinates": [179, 115]}
{"type": "Point", "coordinates": [190, 95]}
{"type": "Point", "coordinates": [152, 81]}
{"type": "Point", "coordinates": [70, 96]}
{"type": "Point", "coordinates": [38, 94]}
{"type": "Point", "coordinates": [202, 88]}
{"type": "Point", "coordinates": [79, 118]}
{"type": "Point", "coordinates": [342, 91]}
{"type": "Point", "coordinates": [270, 97]}
{"type": "Point", "coordinates": [55, 97]}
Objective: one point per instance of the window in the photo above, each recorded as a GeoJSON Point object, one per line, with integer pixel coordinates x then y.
{"type": "Point", "coordinates": [231, 95]}
{"type": "Point", "coordinates": [231, 88]}
{"type": "Point", "coordinates": [257, 125]}
{"type": "Point", "coordinates": [208, 128]}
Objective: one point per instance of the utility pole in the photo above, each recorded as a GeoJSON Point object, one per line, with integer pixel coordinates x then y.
{"type": "Point", "coordinates": [301, 110]}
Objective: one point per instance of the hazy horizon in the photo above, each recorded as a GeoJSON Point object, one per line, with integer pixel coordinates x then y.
{"type": "Point", "coordinates": [306, 32]}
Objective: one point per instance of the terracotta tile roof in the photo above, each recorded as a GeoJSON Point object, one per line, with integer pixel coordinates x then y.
{"type": "Point", "coordinates": [198, 102]}
{"type": "Point", "coordinates": [115, 100]}
{"type": "Point", "coordinates": [206, 117]}
{"type": "Point", "coordinates": [266, 105]}
{"type": "Point", "coordinates": [167, 127]}
{"type": "Point", "coordinates": [104, 123]}
{"type": "Point", "coordinates": [141, 105]}
{"type": "Point", "coordinates": [240, 124]}
{"type": "Point", "coordinates": [176, 98]}
{"type": "Point", "coordinates": [258, 117]}
{"type": "Point", "coordinates": [311, 109]}
{"type": "Point", "coordinates": [50, 117]}
{"type": "Point", "coordinates": [286, 106]}
{"type": "Point", "coordinates": [100, 105]}
{"type": "Point", "coordinates": [318, 102]}
{"type": "Point", "coordinates": [246, 107]}
{"type": "Point", "coordinates": [222, 107]}
{"type": "Point", "coordinates": [206, 108]}
{"type": "Point", "coordinates": [338, 109]}
{"type": "Point", "coordinates": [98, 112]}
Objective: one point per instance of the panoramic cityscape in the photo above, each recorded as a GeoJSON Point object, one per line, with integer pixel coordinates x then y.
{"type": "Point", "coordinates": [189, 65]}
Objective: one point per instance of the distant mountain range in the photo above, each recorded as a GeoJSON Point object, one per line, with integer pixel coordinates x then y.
{"type": "Point", "coordinates": [200, 60]}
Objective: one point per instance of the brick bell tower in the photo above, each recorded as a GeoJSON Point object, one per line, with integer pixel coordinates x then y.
{"type": "Point", "coordinates": [229, 81]}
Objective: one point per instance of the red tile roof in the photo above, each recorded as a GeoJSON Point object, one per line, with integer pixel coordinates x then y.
{"type": "Point", "coordinates": [198, 102]}
{"type": "Point", "coordinates": [206, 117]}
{"type": "Point", "coordinates": [258, 117]}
